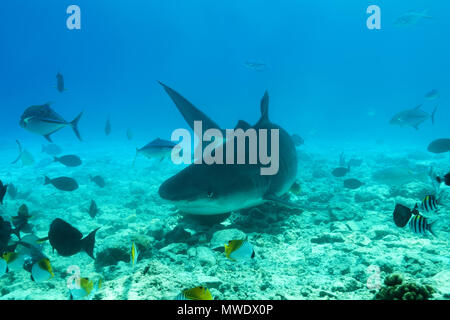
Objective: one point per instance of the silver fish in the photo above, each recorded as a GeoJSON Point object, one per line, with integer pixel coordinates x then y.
{"type": "Point", "coordinates": [413, 117]}
{"type": "Point", "coordinates": [44, 121]}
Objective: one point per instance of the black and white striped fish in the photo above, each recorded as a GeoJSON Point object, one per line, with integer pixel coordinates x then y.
{"type": "Point", "coordinates": [421, 225]}
{"type": "Point", "coordinates": [429, 204]}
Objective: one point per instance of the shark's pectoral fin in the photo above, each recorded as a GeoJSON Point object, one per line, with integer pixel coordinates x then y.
{"type": "Point", "coordinates": [189, 111]}
{"type": "Point", "coordinates": [49, 139]}
{"type": "Point", "coordinates": [285, 203]}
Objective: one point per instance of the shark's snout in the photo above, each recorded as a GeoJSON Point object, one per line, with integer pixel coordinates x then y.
{"type": "Point", "coordinates": [168, 190]}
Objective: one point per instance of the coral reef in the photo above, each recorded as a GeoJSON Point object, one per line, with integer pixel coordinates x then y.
{"type": "Point", "coordinates": [395, 289]}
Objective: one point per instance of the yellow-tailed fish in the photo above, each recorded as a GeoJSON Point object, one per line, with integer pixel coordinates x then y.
{"type": "Point", "coordinates": [14, 260]}
{"type": "Point", "coordinates": [42, 270]}
{"type": "Point", "coordinates": [198, 293]}
{"type": "Point", "coordinates": [134, 254]}
{"type": "Point", "coordinates": [296, 189]}
{"type": "Point", "coordinates": [85, 289]}
{"type": "Point", "coordinates": [239, 250]}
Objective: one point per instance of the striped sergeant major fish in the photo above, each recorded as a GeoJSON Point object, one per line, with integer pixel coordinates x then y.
{"type": "Point", "coordinates": [429, 204]}
{"type": "Point", "coordinates": [420, 224]}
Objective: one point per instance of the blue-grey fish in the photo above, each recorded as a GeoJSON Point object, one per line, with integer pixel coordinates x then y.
{"type": "Point", "coordinates": [411, 18]}
{"type": "Point", "coordinates": [158, 148]}
{"type": "Point", "coordinates": [413, 117]}
{"type": "Point", "coordinates": [433, 94]}
{"type": "Point", "coordinates": [44, 121]}
{"type": "Point", "coordinates": [62, 183]}
{"type": "Point", "coordinates": [69, 160]}
{"type": "Point", "coordinates": [51, 149]}
{"type": "Point", "coordinates": [353, 184]}
{"type": "Point", "coordinates": [256, 66]}
{"type": "Point", "coordinates": [60, 82]}
{"type": "Point", "coordinates": [98, 180]}
{"type": "Point", "coordinates": [439, 146]}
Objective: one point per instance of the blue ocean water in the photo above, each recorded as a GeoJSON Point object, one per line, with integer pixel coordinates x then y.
{"type": "Point", "coordinates": [331, 80]}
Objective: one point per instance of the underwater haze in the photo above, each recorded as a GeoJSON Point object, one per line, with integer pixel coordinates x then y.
{"type": "Point", "coordinates": [85, 150]}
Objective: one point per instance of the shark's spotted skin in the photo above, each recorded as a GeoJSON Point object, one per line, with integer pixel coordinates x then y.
{"type": "Point", "coordinates": [220, 188]}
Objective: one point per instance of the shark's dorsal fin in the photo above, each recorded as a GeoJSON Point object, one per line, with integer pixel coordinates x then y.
{"type": "Point", "coordinates": [189, 111]}
{"type": "Point", "coordinates": [418, 107]}
{"type": "Point", "coordinates": [264, 109]}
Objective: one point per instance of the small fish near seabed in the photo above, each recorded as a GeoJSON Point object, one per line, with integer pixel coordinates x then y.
{"type": "Point", "coordinates": [12, 191]}
{"type": "Point", "coordinates": [296, 188]}
{"type": "Point", "coordinates": [68, 241]}
{"type": "Point", "coordinates": [3, 189]}
{"type": "Point", "coordinates": [355, 162]}
{"type": "Point", "coordinates": [93, 209]}
{"type": "Point", "coordinates": [401, 215]}
{"type": "Point", "coordinates": [69, 160]}
{"type": "Point", "coordinates": [83, 289]}
{"type": "Point", "coordinates": [21, 222]}
{"type": "Point", "coordinates": [98, 180]}
{"type": "Point", "coordinates": [60, 82]}
{"type": "Point", "coordinates": [429, 204]}
{"type": "Point", "coordinates": [353, 184]}
{"type": "Point", "coordinates": [38, 265]}
{"type": "Point", "coordinates": [439, 146]}
{"type": "Point", "coordinates": [158, 148]}
{"type": "Point", "coordinates": [62, 183]}
{"type": "Point", "coordinates": [51, 149]}
{"type": "Point", "coordinates": [445, 179]}
{"type": "Point", "coordinates": [134, 255]}
{"type": "Point", "coordinates": [24, 156]}
{"type": "Point", "coordinates": [108, 127]}
{"type": "Point", "coordinates": [433, 94]}
{"type": "Point", "coordinates": [5, 234]}
{"type": "Point", "coordinates": [28, 255]}
{"type": "Point", "coordinates": [239, 250]}
{"type": "Point", "coordinates": [412, 117]}
{"type": "Point", "coordinates": [44, 121]}
{"type": "Point", "coordinates": [256, 66]}
{"type": "Point", "coordinates": [340, 172]}
{"type": "Point", "coordinates": [198, 293]}
{"type": "Point", "coordinates": [411, 18]}
{"type": "Point", "coordinates": [417, 223]}
{"type": "Point", "coordinates": [420, 224]}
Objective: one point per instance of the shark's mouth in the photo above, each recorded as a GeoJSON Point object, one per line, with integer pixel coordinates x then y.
{"type": "Point", "coordinates": [208, 207]}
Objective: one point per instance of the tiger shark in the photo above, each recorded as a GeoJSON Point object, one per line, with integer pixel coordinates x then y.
{"type": "Point", "coordinates": [212, 189]}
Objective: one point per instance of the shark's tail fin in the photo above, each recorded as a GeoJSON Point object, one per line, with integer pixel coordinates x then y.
{"type": "Point", "coordinates": [265, 107]}
{"type": "Point", "coordinates": [74, 125]}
